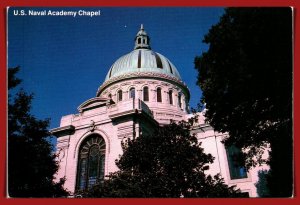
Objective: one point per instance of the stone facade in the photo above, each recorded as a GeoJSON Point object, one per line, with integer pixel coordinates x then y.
{"type": "Point", "coordinates": [142, 90]}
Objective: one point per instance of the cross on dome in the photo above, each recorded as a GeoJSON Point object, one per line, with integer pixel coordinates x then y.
{"type": "Point", "coordinates": [142, 40]}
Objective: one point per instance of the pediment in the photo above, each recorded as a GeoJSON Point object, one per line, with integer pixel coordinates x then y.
{"type": "Point", "coordinates": [94, 102]}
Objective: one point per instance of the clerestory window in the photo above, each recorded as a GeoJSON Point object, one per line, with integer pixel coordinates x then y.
{"type": "Point", "coordinates": [132, 93]}
{"type": "Point", "coordinates": [171, 97]}
{"type": "Point", "coordinates": [146, 94]}
{"type": "Point", "coordinates": [120, 95]}
{"type": "Point", "coordinates": [158, 95]}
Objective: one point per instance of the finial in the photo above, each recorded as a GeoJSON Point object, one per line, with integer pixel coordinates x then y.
{"type": "Point", "coordinates": [142, 27]}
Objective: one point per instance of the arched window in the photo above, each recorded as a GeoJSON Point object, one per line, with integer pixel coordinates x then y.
{"type": "Point", "coordinates": [146, 94]}
{"type": "Point", "coordinates": [171, 97]}
{"type": "Point", "coordinates": [158, 95]}
{"type": "Point", "coordinates": [179, 100]}
{"type": "Point", "coordinates": [120, 95]}
{"type": "Point", "coordinates": [91, 162]}
{"type": "Point", "coordinates": [139, 40]}
{"type": "Point", "coordinates": [132, 93]}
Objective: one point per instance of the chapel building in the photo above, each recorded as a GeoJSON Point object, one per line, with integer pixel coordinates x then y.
{"type": "Point", "coordinates": [142, 90]}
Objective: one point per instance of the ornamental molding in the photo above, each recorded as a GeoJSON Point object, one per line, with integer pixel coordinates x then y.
{"type": "Point", "coordinates": [93, 102]}
{"type": "Point", "coordinates": [152, 82]}
{"type": "Point", "coordinates": [165, 84]}
{"type": "Point", "coordinates": [98, 131]}
{"type": "Point", "coordinates": [138, 82]}
{"type": "Point", "coordinates": [114, 87]}
{"type": "Point", "coordinates": [139, 75]}
{"type": "Point", "coordinates": [127, 83]}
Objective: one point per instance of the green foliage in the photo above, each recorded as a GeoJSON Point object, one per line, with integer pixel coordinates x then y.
{"type": "Point", "coordinates": [169, 163]}
{"type": "Point", "coordinates": [31, 164]}
{"type": "Point", "coordinates": [262, 184]}
{"type": "Point", "coordinates": [246, 79]}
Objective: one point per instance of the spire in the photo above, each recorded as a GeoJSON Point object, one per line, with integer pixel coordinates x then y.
{"type": "Point", "coordinates": [142, 40]}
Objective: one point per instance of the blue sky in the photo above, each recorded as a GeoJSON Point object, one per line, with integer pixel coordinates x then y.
{"type": "Point", "coordinates": [64, 59]}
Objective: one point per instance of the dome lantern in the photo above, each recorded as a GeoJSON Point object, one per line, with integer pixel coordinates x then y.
{"type": "Point", "coordinates": [142, 40]}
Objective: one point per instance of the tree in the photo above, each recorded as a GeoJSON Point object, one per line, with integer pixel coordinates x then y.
{"type": "Point", "coordinates": [261, 185]}
{"type": "Point", "coordinates": [31, 164]}
{"type": "Point", "coordinates": [246, 79]}
{"type": "Point", "coordinates": [169, 163]}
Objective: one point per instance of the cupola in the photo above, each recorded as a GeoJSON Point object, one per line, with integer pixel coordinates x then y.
{"type": "Point", "coordinates": [142, 40]}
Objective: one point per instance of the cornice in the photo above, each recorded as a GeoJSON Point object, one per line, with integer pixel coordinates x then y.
{"type": "Point", "coordinates": [144, 75]}
{"type": "Point", "coordinates": [62, 130]}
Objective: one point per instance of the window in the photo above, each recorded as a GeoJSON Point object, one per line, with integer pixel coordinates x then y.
{"type": "Point", "coordinates": [139, 40]}
{"type": "Point", "coordinates": [236, 163]}
{"type": "Point", "coordinates": [179, 100]}
{"type": "Point", "coordinates": [109, 96]}
{"type": "Point", "coordinates": [146, 93]}
{"type": "Point", "coordinates": [120, 95]}
{"type": "Point", "coordinates": [171, 97]}
{"type": "Point", "coordinates": [91, 162]}
{"type": "Point", "coordinates": [158, 95]}
{"type": "Point", "coordinates": [132, 93]}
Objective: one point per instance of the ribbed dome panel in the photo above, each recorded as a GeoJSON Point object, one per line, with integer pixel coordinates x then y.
{"type": "Point", "coordinates": [142, 60]}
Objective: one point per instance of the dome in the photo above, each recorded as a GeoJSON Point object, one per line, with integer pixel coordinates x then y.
{"type": "Point", "coordinates": [142, 60]}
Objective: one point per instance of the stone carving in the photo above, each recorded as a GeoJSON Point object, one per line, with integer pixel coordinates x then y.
{"type": "Point", "coordinates": [92, 126]}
